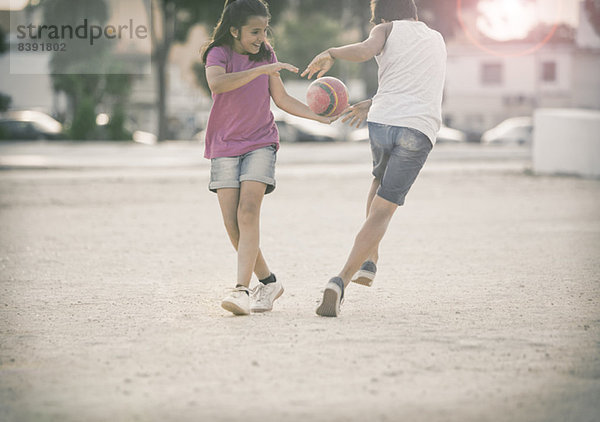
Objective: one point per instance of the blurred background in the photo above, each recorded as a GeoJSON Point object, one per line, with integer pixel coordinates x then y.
{"type": "Point", "coordinates": [506, 59]}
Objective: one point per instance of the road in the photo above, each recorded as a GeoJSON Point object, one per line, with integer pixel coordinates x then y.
{"type": "Point", "coordinates": [114, 259]}
{"type": "Point", "coordinates": [185, 154]}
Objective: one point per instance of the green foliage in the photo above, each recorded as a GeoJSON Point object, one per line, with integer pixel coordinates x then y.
{"type": "Point", "coordinates": [116, 126]}
{"type": "Point", "coordinates": [5, 101]}
{"type": "Point", "coordinates": [118, 86]}
{"type": "Point", "coordinates": [81, 57]}
{"type": "Point", "coordinates": [70, 72]}
{"type": "Point", "coordinates": [190, 12]}
{"type": "Point", "coordinates": [3, 45]}
{"type": "Point", "coordinates": [336, 9]}
{"type": "Point", "coordinates": [299, 40]}
{"type": "Point", "coordinates": [84, 120]}
{"type": "Point", "coordinates": [77, 86]}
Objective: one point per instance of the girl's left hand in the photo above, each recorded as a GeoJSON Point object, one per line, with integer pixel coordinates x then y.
{"type": "Point", "coordinates": [327, 120]}
{"type": "Point", "coordinates": [273, 69]}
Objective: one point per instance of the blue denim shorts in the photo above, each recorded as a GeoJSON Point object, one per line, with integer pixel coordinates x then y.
{"type": "Point", "coordinates": [399, 154]}
{"type": "Point", "coordinates": [257, 165]}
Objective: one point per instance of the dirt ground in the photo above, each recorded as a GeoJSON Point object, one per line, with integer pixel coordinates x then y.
{"type": "Point", "coordinates": [486, 306]}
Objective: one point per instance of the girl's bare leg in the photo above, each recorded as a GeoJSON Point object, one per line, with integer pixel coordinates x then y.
{"type": "Point", "coordinates": [248, 218]}
{"type": "Point", "coordinates": [229, 200]}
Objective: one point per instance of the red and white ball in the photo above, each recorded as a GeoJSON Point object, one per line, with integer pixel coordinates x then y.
{"type": "Point", "coordinates": [327, 96]}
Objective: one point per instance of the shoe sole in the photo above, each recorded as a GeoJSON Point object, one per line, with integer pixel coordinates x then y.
{"type": "Point", "coordinates": [364, 278]}
{"type": "Point", "coordinates": [234, 308]}
{"type": "Point", "coordinates": [330, 306]}
{"type": "Point", "coordinates": [261, 310]}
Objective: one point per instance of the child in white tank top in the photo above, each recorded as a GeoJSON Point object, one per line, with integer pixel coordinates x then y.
{"type": "Point", "coordinates": [403, 118]}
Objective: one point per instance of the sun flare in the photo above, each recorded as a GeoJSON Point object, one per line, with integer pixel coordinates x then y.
{"type": "Point", "coordinates": [506, 19]}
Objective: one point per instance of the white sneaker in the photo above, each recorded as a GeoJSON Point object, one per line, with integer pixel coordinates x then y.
{"type": "Point", "coordinates": [264, 295]}
{"type": "Point", "coordinates": [238, 301]}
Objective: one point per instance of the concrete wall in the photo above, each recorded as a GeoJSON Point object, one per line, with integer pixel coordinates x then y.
{"type": "Point", "coordinates": [567, 141]}
{"type": "Point", "coordinates": [586, 83]}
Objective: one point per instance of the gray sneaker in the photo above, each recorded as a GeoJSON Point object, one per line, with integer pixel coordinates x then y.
{"type": "Point", "coordinates": [365, 274]}
{"type": "Point", "coordinates": [333, 295]}
{"type": "Point", "coordinates": [263, 296]}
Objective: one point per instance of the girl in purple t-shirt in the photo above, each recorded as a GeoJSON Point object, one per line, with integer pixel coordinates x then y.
{"type": "Point", "coordinates": [242, 139]}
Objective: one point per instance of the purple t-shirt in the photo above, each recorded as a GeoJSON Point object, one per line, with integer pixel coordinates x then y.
{"type": "Point", "coordinates": [240, 120]}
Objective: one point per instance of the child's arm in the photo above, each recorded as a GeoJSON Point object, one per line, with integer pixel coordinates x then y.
{"type": "Point", "coordinates": [219, 81]}
{"type": "Point", "coordinates": [359, 52]}
{"type": "Point", "coordinates": [291, 105]}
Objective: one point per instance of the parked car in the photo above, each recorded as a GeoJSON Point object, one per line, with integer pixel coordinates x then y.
{"type": "Point", "coordinates": [29, 125]}
{"type": "Point", "coordinates": [516, 130]}
{"type": "Point", "coordinates": [297, 129]}
{"type": "Point", "coordinates": [450, 135]}
{"type": "Point", "coordinates": [445, 135]}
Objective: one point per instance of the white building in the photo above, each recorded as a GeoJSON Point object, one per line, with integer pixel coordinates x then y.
{"type": "Point", "coordinates": [487, 83]}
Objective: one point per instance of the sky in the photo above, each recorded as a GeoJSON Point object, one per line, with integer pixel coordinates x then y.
{"type": "Point", "coordinates": [549, 10]}
{"type": "Point", "coordinates": [513, 19]}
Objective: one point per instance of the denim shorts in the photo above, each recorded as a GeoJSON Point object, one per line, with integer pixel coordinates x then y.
{"type": "Point", "coordinates": [257, 165]}
{"type": "Point", "coordinates": [399, 154]}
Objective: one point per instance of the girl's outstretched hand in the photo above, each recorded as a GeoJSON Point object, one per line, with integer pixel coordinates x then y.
{"type": "Point", "coordinates": [357, 113]}
{"type": "Point", "coordinates": [327, 120]}
{"type": "Point", "coordinates": [321, 63]}
{"type": "Point", "coordinates": [275, 68]}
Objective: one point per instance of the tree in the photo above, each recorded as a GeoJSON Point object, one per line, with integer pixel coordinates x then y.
{"type": "Point", "coordinates": [86, 79]}
{"type": "Point", "coordinates": [5, 100]}
{"type": "Point", "coordinates": [302, 39]}
{"type": "Point", "coordinates": [172, 22]}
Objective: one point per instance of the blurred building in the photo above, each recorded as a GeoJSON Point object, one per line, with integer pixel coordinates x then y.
{"type": "Point", "coordinates": [488, 82]}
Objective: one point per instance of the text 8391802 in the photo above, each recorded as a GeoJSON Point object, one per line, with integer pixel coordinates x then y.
{"type": "Point", "coordinates": [41, 46]}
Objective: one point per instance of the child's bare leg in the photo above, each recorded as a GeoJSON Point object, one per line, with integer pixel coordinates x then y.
{"type": "Point", "coordinates": [374, 256]}
{"type": "Point", "coordinates": [248, 217]}
{"type": "Point", "coordinates": [369, 236]}
{"type": "Point", "coordinates": [229, 203]}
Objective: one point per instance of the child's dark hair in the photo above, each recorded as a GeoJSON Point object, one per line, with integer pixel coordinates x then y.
{"type": "Point", "coordinates": [236, 14]}
{"type": "Point", "coordinates": [392, 10]}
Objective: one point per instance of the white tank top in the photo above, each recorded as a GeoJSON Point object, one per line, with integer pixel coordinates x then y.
{"type": "Point", "coordinates": [412, 71]}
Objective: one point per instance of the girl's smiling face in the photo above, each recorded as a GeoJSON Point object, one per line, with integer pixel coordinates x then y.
{"type": "Point", "coordinates": [251, 36]}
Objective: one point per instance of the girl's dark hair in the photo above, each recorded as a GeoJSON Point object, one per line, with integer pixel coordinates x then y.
{"type": "Point", "coordinates": [236, 14]}
{"type": "Point", "coordinates": [392, 10]}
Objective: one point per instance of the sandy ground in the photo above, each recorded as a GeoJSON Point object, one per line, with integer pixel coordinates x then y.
{"type": "Point", "coordinates": [485, 307]}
